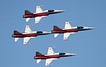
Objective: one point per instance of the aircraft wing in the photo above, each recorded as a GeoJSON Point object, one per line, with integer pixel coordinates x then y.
{"type": "Point", "coordinates": [27, 19]}
{"type": "Point", "coordinates": [38, 9]}
{"type": "Point", "coordinates": [55, 35]}
{"type": "Point", "coordinates": [67, 25]}
{"type": "Point", "coordinates": [48, 61]}
{"type": "Point", "coordinates": [37, 19]}
{"type": "Point", "coordinates": [26, 39]}
{"type": "Point", "coordinates": [27, 29]}
{"type": "Point", "coordinates": [50, 51]}
{"type": "Point", "coordinates": [66, 35]}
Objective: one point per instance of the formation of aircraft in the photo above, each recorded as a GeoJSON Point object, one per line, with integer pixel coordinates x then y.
{"type": "Point", "coordinates": [28, 34]}
{"type": "Point", "coordinates": [39, 14]}
{"type": "Point", "coordinates": [68, 30]}
{"type": "Point", "coordinates": [50, 56]}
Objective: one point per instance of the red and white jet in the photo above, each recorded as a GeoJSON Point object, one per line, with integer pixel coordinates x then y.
{"type": "Point", "coordinates": [50, 56]}
{"type": "Point", "coordinates": [68, 30]}
{"type": "Point", "coordinates": [39, 14]}
{"type": "Point", "coordinates": [28, 34]}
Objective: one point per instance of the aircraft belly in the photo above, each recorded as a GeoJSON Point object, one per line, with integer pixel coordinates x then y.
{"type": "Point", "coordinates": [58, 31]}
{"type": "Point", "coordinates": [71, 30]}
{"type": "Point", "coordinates": [29, 16]}
{"type": "Point", "coordinates": [30, 35]}
{"type": "Point", "coordinates": [41, 14]}
{"type": "Point", "coordinates": [40, 57]}
{"type": "Point", "coordinates": [54, 56]}
{"type": "Point", "coordinates": [17, 36]}
{"type": "Point", "coordinates": [46, 57]}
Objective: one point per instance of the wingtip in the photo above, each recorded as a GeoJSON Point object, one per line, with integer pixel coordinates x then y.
{"type": "Point", "coordinates": [24, 43]}
{"type": "Point", "coordinates": [26, 20]}
{"type": "Point", "coordinates": [46, 64]}
{"type": "Point", "coordinates": [67, 22]}
{"type": "Point", "coordinates": [65, 38]}
{"type": "Point", "coordinates": [36, 22]}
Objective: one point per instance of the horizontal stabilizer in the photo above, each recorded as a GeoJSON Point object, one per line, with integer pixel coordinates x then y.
{"type": "Point", "coordinates": [55, 35]}
{"type": "Point", "coordinates": [27, 19]}
{"type": "Point", "coordinates": [16, 39]}
{"type": "Point", "coordinates": [38, 60]}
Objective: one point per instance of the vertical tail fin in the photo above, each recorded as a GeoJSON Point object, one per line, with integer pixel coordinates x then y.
{"type": "Point", "coordinates": [56, 28]}
{"type": "Point", "coordinates": [38, 54]}
{"type": "Point", "coordinates": [27, 12]}
{"type": "Point", "coordinates": [16, 32]}
{"type": "Point", "coordinates": [38, 9]}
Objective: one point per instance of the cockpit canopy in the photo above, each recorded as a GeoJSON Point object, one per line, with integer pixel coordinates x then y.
{"type": "Point", "coordinates": [39, 32]}
{"type": "Point", "coordinates": [62, 54]}
{"type": "Point", "coordinates": [80, 27]}
{"type": "Point", "coordinates": [50, 10]}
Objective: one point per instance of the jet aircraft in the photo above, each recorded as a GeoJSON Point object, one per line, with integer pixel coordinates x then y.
{"type": "Point", "coordinates": [50, 56]}
{"type": "Point", "coordinates": [39, 14]}
{"type": "Point", "coordinates": [28, 34]}
{"type": "Point", "coordinates": [68, 30]}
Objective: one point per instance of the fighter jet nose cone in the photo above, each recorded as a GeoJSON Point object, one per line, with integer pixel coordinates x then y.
{"type": "Point", "coordinates": [85, 28]}
{"type": "Point", "coordinates": [74, 54]}
{"type": "Point", "coordinates": [59, 11]}
{"type": "Point", "coordinates": [71, 54]}
{"type": "Point", "coordinates": [92, 28]}
{"type": "Point", "coordinates": [62, 10]}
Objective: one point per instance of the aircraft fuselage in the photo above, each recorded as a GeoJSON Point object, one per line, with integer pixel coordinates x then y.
{"type": "Point", "coordinates": [35, 15]}
{"type": "Point", "coordinates": [44, 13]}
{"type": "Point", "coordinates": [64, 31]}
{"type": "Point", "coordinates": [56, 55]}
{"type": "Point", "coordinates": [45, 57]}
{"type": "Point", "coordinates": [24, 35]}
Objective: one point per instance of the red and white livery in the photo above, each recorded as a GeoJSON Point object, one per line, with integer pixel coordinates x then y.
{"type": "Point", "coordinates": [68, 30]}
{"type": "Point", "coordinates": [50, 56]}
{"type": "Point", "coordinates": [28, 34]}
{"type": "Point", "coordinates": [39, 14]}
